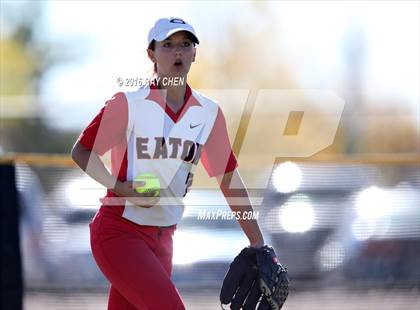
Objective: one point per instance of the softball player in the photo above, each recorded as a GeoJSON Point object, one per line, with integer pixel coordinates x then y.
{"type": "Point", "coordinates": [164, 129]}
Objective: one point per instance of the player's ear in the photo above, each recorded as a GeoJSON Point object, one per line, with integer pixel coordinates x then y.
{"type": "Point", "coordinates": [195, 51]}
{"type": "Point", "coordinates": [151, 55]}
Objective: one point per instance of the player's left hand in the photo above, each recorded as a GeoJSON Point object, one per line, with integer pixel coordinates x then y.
{"type": "Point", "coordinates": [255, 279]}
{"type": "Point", "coordinates": [127, 191]}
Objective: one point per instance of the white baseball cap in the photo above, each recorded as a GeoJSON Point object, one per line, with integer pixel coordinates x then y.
{"type": "Point", "coordinates": [166, 27]}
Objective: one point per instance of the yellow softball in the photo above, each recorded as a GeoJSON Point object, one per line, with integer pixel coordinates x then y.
{"type": "Point", "coordinates": [151, 184]}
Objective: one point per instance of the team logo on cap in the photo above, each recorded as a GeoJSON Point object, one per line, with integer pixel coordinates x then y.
{"type": "Point", "coordinates": [176, 21]}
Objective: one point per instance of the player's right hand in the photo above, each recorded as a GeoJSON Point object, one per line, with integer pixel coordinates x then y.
{"type": "Point", "coordinates": [127, 191]}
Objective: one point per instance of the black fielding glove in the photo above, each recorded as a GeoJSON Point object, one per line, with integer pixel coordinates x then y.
{"type": "Point", "coordinates": [255, 280]}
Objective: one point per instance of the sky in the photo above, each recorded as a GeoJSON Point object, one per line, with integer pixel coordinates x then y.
{"type": "Point", "coordinates": [109, 38]}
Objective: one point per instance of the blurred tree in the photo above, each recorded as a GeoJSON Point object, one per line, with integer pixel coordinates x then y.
{"type": "Point", "coordinates": [369, 126]}
{"type": "Point", "coordinates": [24, 59]}
{"type": "Point", "coordinates": [389, 128]}
{"type": "Point", "coordinates": [252, 59]}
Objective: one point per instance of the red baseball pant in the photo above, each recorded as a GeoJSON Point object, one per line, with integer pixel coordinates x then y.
{"type": "Point", "coordinates": [137, 261]}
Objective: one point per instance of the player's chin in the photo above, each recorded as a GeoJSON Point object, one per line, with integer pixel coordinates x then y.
{"type": "Point", "coordinates": [180, 70]}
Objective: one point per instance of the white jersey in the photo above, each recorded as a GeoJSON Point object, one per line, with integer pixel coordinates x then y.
{"type": "Point", "coordinates": [163, 143]}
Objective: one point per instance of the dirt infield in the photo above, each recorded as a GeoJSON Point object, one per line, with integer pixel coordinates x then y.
{"type": "Point", "coordinates": [206, 299]}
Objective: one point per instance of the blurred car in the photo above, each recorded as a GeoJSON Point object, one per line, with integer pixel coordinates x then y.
{"type": "Point", "coordinates": [386, 230]}
{"type": "Point", "coordinates": [327, 218]}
